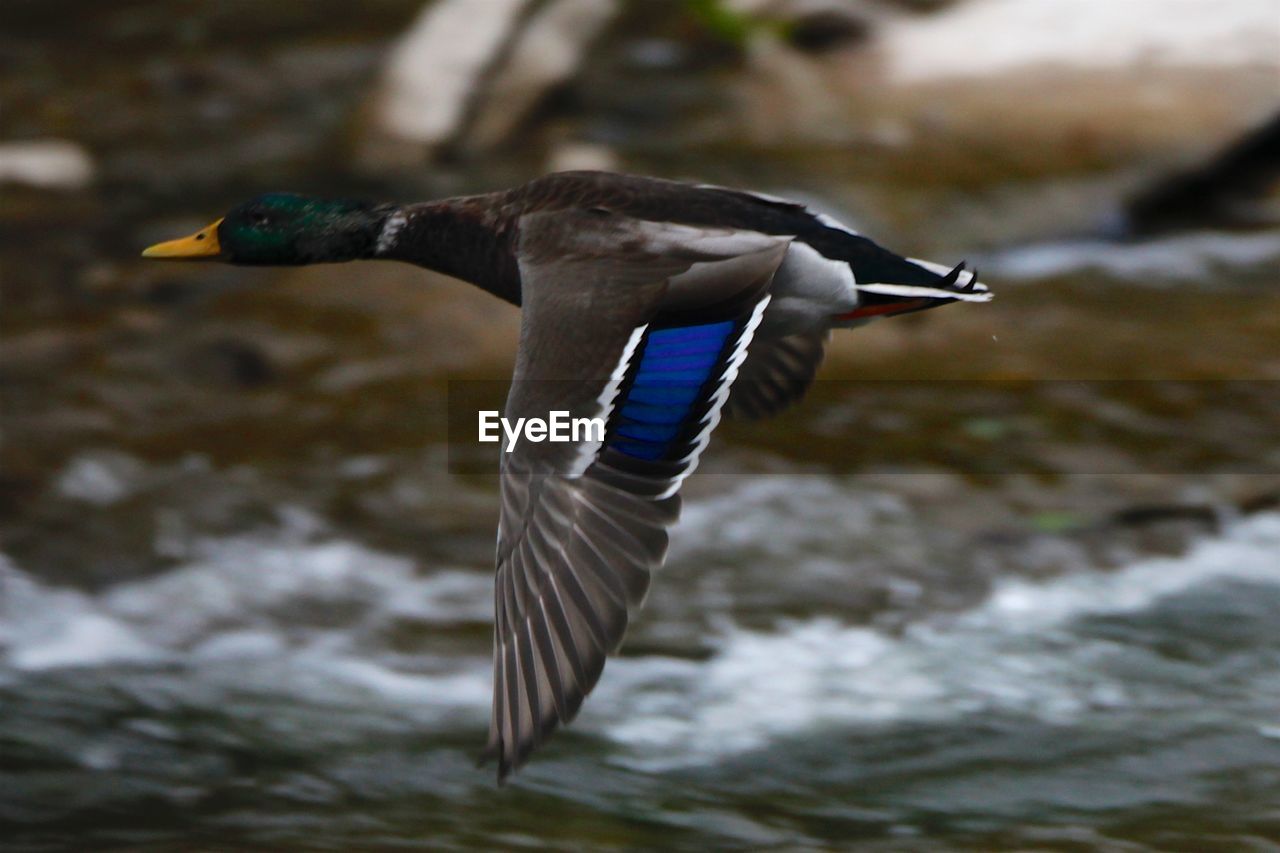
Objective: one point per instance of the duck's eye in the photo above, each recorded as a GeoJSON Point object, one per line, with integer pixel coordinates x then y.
{"type": "Point", "coordinates": [258, 218]}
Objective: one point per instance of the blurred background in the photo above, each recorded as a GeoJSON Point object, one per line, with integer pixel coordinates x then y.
{"type": "Point", "coordinates": [1010, 578]}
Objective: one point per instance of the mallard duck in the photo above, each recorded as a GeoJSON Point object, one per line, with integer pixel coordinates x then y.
{"type": "Point", "coordinates": [654, 305]}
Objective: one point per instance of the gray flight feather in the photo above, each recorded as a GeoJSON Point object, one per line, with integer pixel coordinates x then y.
{"type": "Point", "coordinates": [576, 550]}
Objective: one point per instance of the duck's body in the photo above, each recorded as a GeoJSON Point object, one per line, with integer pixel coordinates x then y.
{"type": "Point", "coordinates": [650, 304]}
{"type": "Point", "coordinates": [478, 238]}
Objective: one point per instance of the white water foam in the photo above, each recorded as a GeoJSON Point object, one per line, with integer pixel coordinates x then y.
{"type": "Point", "coordinates": [275, 614]}
{"type": "Point", "coordinates": [101, 479]}
{"type": "Point", "coordinates": [985, 37]}
{"type": "Point", "coordinates": [1180, 259]}
{"type": "Point", "coordinates": [42, 627]}
{"type": "Point", "coordinates": [1013, 654]}
{"type": "Point", "coordinates": [309, 620]}
{"type": "Point", "coordinates": [744, 515]}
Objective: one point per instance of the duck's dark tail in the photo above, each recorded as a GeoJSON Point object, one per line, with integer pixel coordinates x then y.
{"type": "Point", "coordinates": [886, 299]}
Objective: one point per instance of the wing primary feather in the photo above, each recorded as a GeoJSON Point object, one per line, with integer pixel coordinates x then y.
{"type": "Point", "coordinates": [558, 618]}
{"type": "Point", "coordinates": [562, 635]}
{"type": "Point", "coordinates": [494, 744]}
{"type": "Point", "coordinates": [605, 592]}
{"type": "Point", "coordinates": [551, 660]}
{"type": "Point", "coordinates": [602, 574]}
{"type": "Point", "coordinates": [573, 585]}
{"type": "Point", "coordinates": [581, 601]}
{"type": "Point", "coordinates": [510, 736]}
{"type": "Point", "coordinates": [532, 684]}
{"type": "Point", "coordinates": [510, 677]}
{"type": "Point", "coordinates": [626, 538]}
{"type": "Point", "coordinates": [635, 578]}
{"type": "Point", "coordinates": [596, 650]}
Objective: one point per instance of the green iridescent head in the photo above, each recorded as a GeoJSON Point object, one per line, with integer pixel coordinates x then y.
{"type": "Point", "coordinates": [283, 229]}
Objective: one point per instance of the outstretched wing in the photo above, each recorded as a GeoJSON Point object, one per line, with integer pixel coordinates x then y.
{"type": "Point", "coordinates": [645, 326]}
{"type": "Point", "coordinates": [776, 374]}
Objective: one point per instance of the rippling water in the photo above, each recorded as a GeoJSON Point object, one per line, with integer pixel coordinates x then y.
{"type": "Point", "coordinates": [292, 685]}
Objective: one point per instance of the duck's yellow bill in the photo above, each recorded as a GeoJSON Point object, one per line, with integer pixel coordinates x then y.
{"type": "Point", "coordinates": [202, 244]}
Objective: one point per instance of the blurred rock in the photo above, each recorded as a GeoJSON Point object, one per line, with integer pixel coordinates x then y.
{"type": "Point", "coordinates": [54, 164]}
{"type": "Point", "coordinates": [570, 156]}
{"type": "Point", "coordinates": [433, 72]}
{"type": "Point", "coordinates": [827, 31]}
{"type": "Point", "coordinates": [817, 25]}
{"type": "Point", "coordinates": [814, 26]}
{"type": "Point", "coordinates": [467, 74]}
{"type": "Point", "coordinates": [546, 52]}
{"type": "Point", "coordinates": [230, 362]}
{"type": "Point", "coordinates": [1048, 85]}
{"type": "Point", "coordinates": [1238, 187]}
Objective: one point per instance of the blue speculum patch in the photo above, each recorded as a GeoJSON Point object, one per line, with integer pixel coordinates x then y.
{"type": "Point", "coordinates": [673, 369]}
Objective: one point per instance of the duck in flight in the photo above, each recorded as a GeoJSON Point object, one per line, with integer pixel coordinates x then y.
{"type": "Point", "coordinates": [654, 305]}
